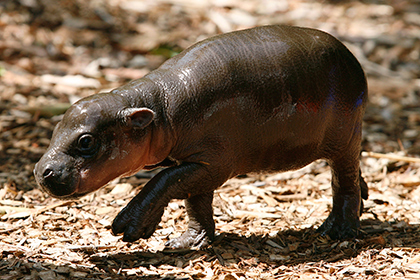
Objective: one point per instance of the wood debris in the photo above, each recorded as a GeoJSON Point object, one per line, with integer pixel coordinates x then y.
{"type": "Point", "coordinates": [54, 52]}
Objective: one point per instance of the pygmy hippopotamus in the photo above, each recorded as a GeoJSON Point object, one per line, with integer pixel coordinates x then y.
{"type": "Point", "coordinates": [266, 99]}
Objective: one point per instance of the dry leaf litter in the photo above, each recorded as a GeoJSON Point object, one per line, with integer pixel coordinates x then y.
{"type": "Point", "coordinates": [55, 52]}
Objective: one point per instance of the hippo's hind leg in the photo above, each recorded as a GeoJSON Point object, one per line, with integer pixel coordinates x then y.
{"type": "Point", "coordinates": [200, 232]}
{"type": "Point", "coordinates": [364, 190]}
{"type": "Point", "coordinates": [348, 188]}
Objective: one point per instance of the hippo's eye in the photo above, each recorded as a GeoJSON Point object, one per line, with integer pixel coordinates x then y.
{"type": "Point", "coordinates": [86, 144]}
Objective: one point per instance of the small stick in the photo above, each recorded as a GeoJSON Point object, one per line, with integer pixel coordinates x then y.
{"type": "Point", "coordinates": [11, 229]}
{"type": "Point", "coordinates": [23, 212]}
{"type": "Point", "coordinates": [254, 214]}
{"type": "Point", "coordinates": [391, 157]}
{"type": "Point", "coordinates": [90, 247]}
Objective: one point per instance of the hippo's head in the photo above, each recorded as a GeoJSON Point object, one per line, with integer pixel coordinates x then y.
{"type": "Point", "coordinates": [99, 139]}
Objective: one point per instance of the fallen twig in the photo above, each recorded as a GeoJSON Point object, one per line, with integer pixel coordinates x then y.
{"type": "Point", "coordinates": [8, 230]}
{"type": "Point", "coordinates": [23, 212]}
{"type": "Point", "coordinates": [262, 215]}
{"type": "Point", "coordinates": [391, 157]}
{"type": "Point", "coordinates": [90, 247]}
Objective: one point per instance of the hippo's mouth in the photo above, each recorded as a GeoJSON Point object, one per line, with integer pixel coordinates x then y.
{"type": "Point", "coordinates": [58, 183]}
{"type": "Point", "coordinates": [61, 191]}
{"type": "Point", "coordinates": [70, 196]}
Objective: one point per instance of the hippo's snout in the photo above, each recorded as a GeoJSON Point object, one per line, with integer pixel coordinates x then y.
{"type": "Point", "coordinates": [57, 178]}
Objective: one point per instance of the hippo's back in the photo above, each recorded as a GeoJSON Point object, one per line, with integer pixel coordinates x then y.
{"type": "Point", "coordinates": [254, 92]}
{"type": "Point", "coordinates": [268, 64]}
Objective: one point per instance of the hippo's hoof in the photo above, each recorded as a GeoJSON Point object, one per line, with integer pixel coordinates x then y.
{"type": "Point", "coordinates": [190, 239]}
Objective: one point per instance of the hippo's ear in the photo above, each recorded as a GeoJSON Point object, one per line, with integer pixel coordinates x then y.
{"type": "Point", "coordinates": [137, 117]}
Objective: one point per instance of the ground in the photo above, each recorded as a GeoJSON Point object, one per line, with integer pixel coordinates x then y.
{"type": "Point", "coordinates": [54, 52]}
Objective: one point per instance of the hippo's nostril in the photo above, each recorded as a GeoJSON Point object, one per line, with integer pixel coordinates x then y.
{"type": "Point", "coordinates": [48, 173]}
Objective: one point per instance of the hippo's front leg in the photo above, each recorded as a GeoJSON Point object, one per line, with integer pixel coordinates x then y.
{"type": "Point", "coordinates": [143, 213]}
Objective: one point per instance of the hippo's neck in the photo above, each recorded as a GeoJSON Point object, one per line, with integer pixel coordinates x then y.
{"type": "Point", "coordinates": [146, 93]}
{"type": "Point", "coordinates": [139, 93]}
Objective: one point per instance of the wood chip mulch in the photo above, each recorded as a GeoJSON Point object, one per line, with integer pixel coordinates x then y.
{"type": "Point", "coordinates": [54, 52]}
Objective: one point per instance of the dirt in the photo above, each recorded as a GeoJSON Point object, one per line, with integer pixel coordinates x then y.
{"type": "Point", "coordinates": [55, 52]}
